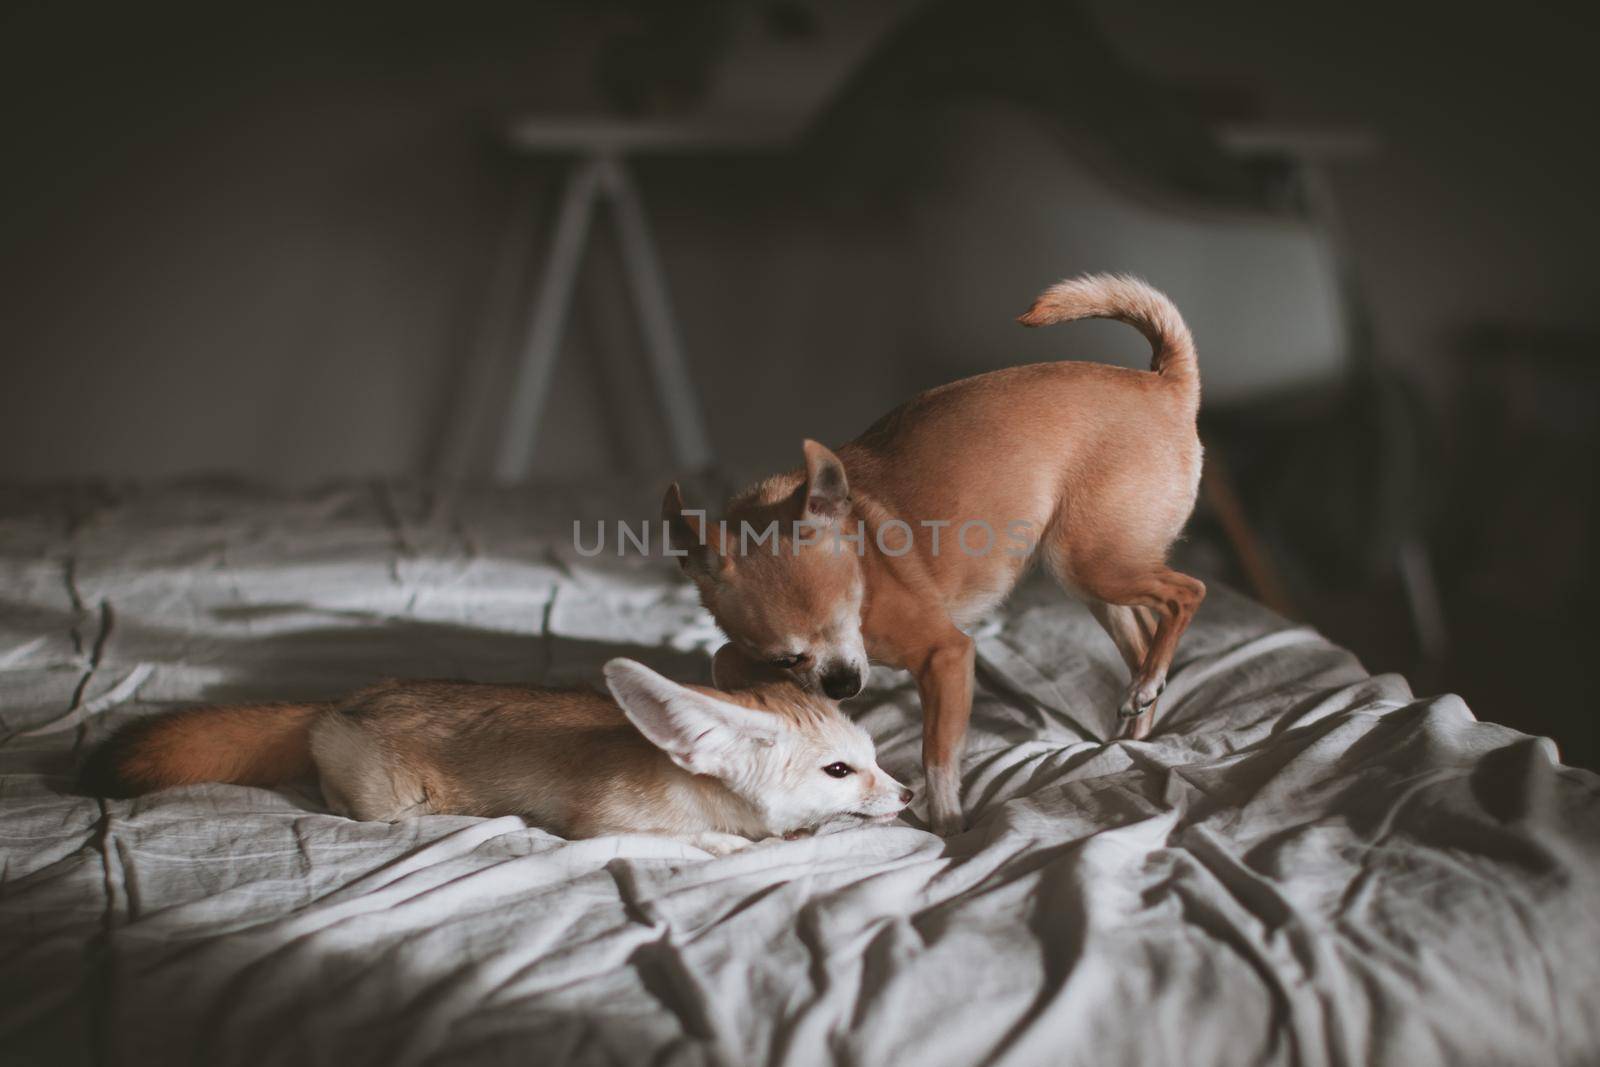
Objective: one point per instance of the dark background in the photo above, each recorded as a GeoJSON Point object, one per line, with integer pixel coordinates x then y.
{"type": "Point", "coordinates": [290, 243]}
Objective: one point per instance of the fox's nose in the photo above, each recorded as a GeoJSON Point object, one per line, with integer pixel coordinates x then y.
{"type": "Point", "coordinates": [841, 683]}
{"type": "Point", "coordinates": [905, 796]}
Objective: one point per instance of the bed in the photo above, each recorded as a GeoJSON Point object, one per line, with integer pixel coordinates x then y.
{"type": "Point", "coordinates": [1305, 864]}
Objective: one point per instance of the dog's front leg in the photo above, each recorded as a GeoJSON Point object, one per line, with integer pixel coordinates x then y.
{"type": "Point", "coordinates": [944, 681]}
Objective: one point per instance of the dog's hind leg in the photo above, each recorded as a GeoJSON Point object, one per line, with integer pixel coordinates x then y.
{"type": "Point", "coordinates": [1172, 598]}
{"type": "Point", "coordinates": [1131, 628]}
{"type": "Point", "coordinates": [1127, 630]}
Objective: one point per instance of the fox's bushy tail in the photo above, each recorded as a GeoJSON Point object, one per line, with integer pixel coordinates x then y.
{"type": "Point", "coordinates": [1129, 300]}
{"type": "Point", "coordinates": [247, 744]}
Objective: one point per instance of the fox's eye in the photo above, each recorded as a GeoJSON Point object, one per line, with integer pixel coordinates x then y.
{"type": "Point", "coordinates": [788, 662]}
{"type": "Point", "coordinates": [838, 770]}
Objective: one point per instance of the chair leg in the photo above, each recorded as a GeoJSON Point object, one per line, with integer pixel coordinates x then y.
{"type": "Point", "coordinates": [680, 403]}
{"type": "Point", "coordinates": [531, 387]}
{"type": "Point", "coordinates": [1422, 597]}
{"type": "Point", "coordinates": [1217, 488]}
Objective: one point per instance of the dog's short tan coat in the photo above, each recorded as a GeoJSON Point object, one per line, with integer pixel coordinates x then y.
{"type": "Point", "coordinates": [1100, 464]}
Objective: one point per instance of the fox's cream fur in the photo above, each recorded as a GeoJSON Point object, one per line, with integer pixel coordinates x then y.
{"type": "Point", "coordinates": [718, 769]}
{"type": "Point", "coordinates": [1101, 464]}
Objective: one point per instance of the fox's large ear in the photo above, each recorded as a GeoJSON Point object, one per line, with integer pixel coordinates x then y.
{"type": "Point", "coordinates": [827, 491]}
{"type": "Point", "coordinates": [732, 669]}
{"type": "Point", "coordinates": [701, 734]}
{"type": "Point", "coordinates": [687, 533]}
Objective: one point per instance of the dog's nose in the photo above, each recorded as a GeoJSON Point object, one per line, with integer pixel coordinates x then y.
{"type": "Point", "coordinates": [841, 684]}
{"type": "Point", "coordinates": [905, 796]}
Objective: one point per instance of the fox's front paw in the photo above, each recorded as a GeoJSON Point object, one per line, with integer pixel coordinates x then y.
{"type": "Point", "coordinates": [720, 844]}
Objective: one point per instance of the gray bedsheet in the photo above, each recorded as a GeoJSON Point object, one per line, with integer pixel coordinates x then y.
{"type": "Point", "coordinates": [1305, 864]}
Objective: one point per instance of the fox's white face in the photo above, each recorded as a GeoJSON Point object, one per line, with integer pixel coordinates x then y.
{"type": "Point", "coordinates": [798, 608]}
{"type": "Point", "coordinates": [791, 755]}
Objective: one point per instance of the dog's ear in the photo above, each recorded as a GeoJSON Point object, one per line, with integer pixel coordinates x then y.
{"type": "Point", "coordinates": [700, 733]}
{"type": "Point", "coordinates": [827, 491]}
{"type": "Point", "coordinates": [687, 533]}
{"type": "Point", "coordinates": [732, 669]}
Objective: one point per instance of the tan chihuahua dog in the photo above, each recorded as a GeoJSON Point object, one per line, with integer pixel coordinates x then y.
{"type": "Point", "coordinates": [718, 770]}
{"type": "Point", "coordinates": [886, 549]}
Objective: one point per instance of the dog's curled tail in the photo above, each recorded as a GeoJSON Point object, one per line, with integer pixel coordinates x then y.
{"type": "Point", "coordinates": [260, 744]}
{"type": "Point", "coordinates": [1129, 300]}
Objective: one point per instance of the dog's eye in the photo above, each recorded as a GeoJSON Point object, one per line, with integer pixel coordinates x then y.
{"type": "Point", "coordinates": [788, 662]}
{"type": "Point", "coordinates": [838, 770]}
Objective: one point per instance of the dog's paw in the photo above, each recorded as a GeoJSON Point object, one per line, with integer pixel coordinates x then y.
{"type": "Point", "coordinates": [947, 823]}
{"type": "Point", "coordinates": [1137, 727]}
{"type": "Point", "coordinates": [1137, 713]}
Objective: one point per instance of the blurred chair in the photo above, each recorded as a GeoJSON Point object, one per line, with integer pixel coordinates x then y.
{"type": "Point", "coordinates": [598, 174]}
{"type": "Point", "coordinates": [710, 78]}
{"type": "Point", "coordinates": [1304, 154]}
{"type": "Point", "coordinates": [1316, 449]}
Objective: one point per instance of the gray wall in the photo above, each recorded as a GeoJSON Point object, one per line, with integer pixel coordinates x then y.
{"type": "Point", "coordinates": [263, 255]}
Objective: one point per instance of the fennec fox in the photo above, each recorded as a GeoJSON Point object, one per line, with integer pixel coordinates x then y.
{"type": "Point", "coordinates": [715, 769]}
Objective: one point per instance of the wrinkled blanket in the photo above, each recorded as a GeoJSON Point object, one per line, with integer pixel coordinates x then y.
{"type": "Point", "coordinates": [1304, 864]}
